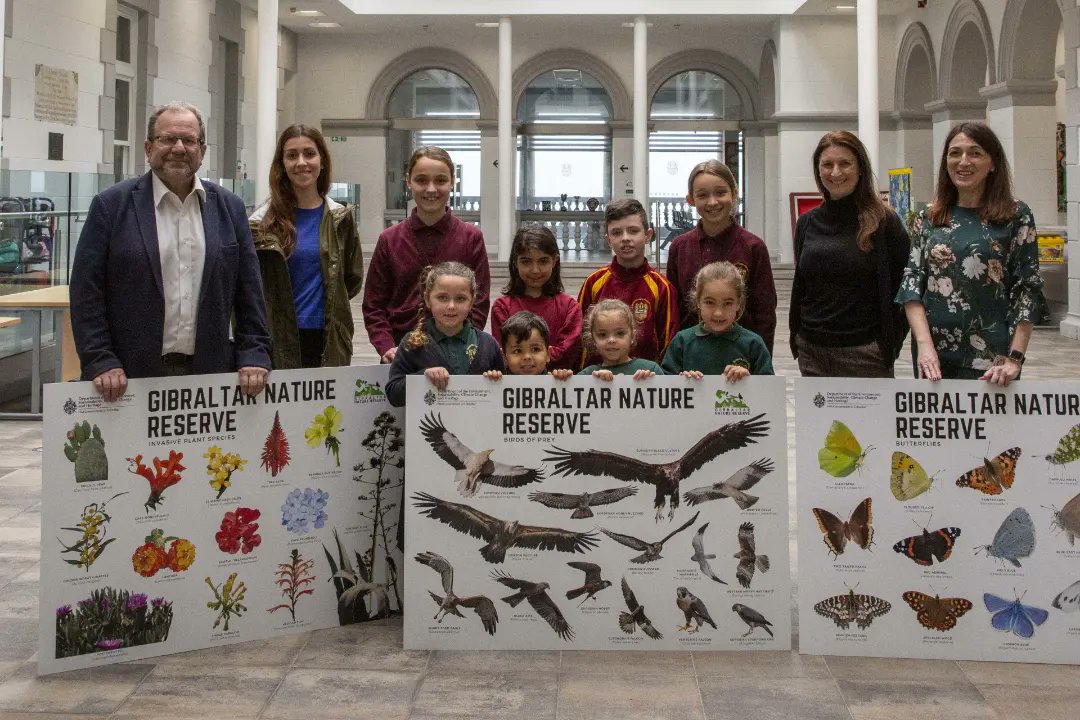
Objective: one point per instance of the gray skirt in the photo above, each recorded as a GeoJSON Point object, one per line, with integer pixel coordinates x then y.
{"type": "Point", "coordinates": [855, 361]}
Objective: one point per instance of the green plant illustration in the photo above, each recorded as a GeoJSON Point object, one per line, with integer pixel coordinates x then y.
{"type": "Point", "coordinates": [359, 599]}
{"type": "Point", "coordinates": [324, 431]}
{"type": "Point", "coordinates": [92, 527]}
{"type": "Point", "coordinates": [111, 619]}
{"type": "Point", "coordinates": [292, 579]}
{"type": "Point", "coordinates": [383, 477]}
{"type": "Point", "coordinates": [86, 449]}
{"type": "Point", "coordinates": [227, 600]}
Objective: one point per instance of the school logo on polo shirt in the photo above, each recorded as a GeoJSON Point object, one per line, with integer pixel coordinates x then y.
{"type": "Point", "coordinates": [640, 308]}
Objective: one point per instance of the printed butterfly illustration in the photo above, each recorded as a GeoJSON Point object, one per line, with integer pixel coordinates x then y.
{"type": "Point", "coordinates": [1068, 448]}
{"type": "Point", "coordinates": [1013, 616]}
{"type": "Point", "coordinates": [924, 548]}
{"type": "Point", "coordinates": [842, 454]}
{"type": "Point", "coordinates": [908, 478]}
{"type": "Point", "coordinates": [1014, 539]}
{"type": "Point", "coordinates": [936, 613]}
{"type": "Point", "coordinates": [1067, 519]}
{"type": "Point", "coordinates": [994, 476]}
{"type": "Point", "coordinates": [1068, 600]}
{"type": "Point", "coordinates": [843, 609]}
{"type": "Point", "coordinates": [858, 528]}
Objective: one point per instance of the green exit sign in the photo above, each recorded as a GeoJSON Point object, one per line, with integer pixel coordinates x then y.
{"type": "Point", "coordinates": [337, 138]}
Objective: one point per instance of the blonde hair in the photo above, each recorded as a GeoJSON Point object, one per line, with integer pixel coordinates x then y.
{"type": "Point", "coordinates": [716, 168]}
{"type": "Point", "coordinates": [610, 305]}
{"type": "Point", "coordinates": [418, 336]}
{"type": "Point", "coordinates": [722, 270]}
{"type": "Point", "coordinates": [434, 153]}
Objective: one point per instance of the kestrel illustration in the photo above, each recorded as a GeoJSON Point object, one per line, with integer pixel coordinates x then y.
{"type": "Point", "coordinates": [536, 594]}
{"type": "Point", "coordinates": [748, 557]}
{"type": "Point", "coordinates": [636, 617]}
{"type": "Point", "coordinates": [581, 504]}
{"type": "Point", "coordinates": [593, 582]}
{"type": "Point", "coordinates": [733, 487]}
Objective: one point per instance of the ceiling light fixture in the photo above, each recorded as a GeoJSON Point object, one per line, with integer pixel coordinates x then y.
{"type": "Point", "coordinates": [306, 13]}
{"type": "Point", "coordinates": [324, 24]}
{"type": "Point", "coordinates": [487, 24]}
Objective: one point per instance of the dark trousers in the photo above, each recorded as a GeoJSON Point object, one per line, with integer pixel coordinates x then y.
{"type": "Point", "coordinates": [863, 361]}
{"type": "Point", "coordinates": [312, 343]}
{"type": "Point", "coordinates": [176, 364]}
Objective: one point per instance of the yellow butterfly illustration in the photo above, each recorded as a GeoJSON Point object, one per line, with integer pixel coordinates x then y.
{"type": "Point", "coordinates": [908, 478]}
{"type": "Point", "coordinates": [842, 454]}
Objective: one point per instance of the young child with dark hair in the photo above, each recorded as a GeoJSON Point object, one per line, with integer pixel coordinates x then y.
{"type": "Point", "coordinates": [526, 347]}
{"type": "Point", "coordinates": [609, 332]}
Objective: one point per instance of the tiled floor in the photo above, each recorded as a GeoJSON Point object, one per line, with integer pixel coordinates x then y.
{"type": "Point", "coordinates": [360, 671]}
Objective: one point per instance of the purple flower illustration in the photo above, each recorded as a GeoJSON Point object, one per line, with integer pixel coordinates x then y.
{"type": "Point", "coordinates": [109, 644]}
{"type": "Point", "coordinates": [303, 510]}
{"type": "Point", "coordinates": [136, 602]}
{"type": "Point", "coordinates": [63, 611]}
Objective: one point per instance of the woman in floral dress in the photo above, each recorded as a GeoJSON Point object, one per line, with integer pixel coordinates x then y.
{"type": "Point", "coordinates": [971, 289]}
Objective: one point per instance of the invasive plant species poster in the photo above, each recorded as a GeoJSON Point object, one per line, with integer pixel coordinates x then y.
{"type": "Point", "coordinates": [217, 523]}
{"type": "Point", "coordinates": [581, 514]}
{"type": "Point", "coordinates": [937, 520]}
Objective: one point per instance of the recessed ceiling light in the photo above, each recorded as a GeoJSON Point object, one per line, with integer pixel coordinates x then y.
{"type": "Point", "coordinates": [845, 7]}
{"type": "Point", "coordinates": [324, 24]}
{"type": "Point", "coordinates": [306, 13]}
{"type": "Point", "coordinates": [487, 24]}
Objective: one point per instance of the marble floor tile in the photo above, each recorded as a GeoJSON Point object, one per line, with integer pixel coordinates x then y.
{"type": "Point", "coordinates": [493, 661]}
{"type": "Point", "coordinates": [19, 600]}
{"type": "Point", "coordinates": [766, 698]}
{"type": "Point", "coordinates": [992, 673]}
{"type": "Point", "coordinates": [1019, 702]}
{"type": "Point", "coordinates": [308, 693]}
{"type": "Point", "coordinates": [92, 691]}
{"type": "Point", "coordinates": [23, 477]}
{"type": "Point", "coordinates": [473, 694]}
{"type": "Point", "coordinates": [889, 669]}
{"type": "Point", "coordinates": [778, 664]}
{"type": "Point", "coordinates": [667, 695]}
{"type": "Point", "coordinates": [12, 567]}
{"type": "Point", "coordinates": [896, 700]}
{"type": "Point", "coordinates": [18, 639]}
{"type": "Point", "coordinates": [270, 652]}
{"type": "Point", "coordinates": [49, 716]}
{"type": "Point", "coordinates": [626, 663]}
{"type": "Point", "coordinates": [375, 645]}
{"type": "Point", "coordinates": [183, 691]}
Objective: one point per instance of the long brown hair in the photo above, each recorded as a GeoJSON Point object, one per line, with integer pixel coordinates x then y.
{"type": "Point", "coordinates": [998, 203]}
{"type": "Point", "coordinates": [867, 202]}
{"type": "Point", "coordinates": [433, 152]}
{"type": "Point", "coordinates": [278, 219]}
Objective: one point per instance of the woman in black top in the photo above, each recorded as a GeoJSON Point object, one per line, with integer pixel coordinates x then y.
{"type": "Point", "coordinates": [850, 255]}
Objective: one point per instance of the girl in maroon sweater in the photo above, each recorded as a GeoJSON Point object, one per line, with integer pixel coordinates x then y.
{"type": "Point", "coordinates": [536, 286]}
{"type": "Point", "coordinates": [431, 235]}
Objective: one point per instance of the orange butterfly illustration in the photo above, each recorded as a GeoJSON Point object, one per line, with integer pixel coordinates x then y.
{"type": "Point", "coordinates": [994, 476]}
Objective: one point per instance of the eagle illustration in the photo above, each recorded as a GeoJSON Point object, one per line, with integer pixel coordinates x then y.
{"type": "Point", "coordinates": [536, 594]}
{"type": "Point", "coordinates": [582, 504]}
{"type": "Point", "coordinates": [743, 479]}
{"type": "Point", "coordinates": [472, 468]}
{"type": "Point", "coordinates": [748, 557]}
{"type": "Point", "coordinates": [665, 477]}
{"type": "Point", "coordinates": [449, 604]}
{"type": "Point", "coordinates": [650, 551]}
{"type": "Point", "coordinates": [636, 617]}
{"type": "Point", "coordinates": [501, 535]}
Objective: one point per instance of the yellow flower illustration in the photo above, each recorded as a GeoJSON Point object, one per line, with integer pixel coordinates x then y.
{"type": "Point", "coordinates": [220, 466]}
{"type": "Point", "coordinates": [324, 429]}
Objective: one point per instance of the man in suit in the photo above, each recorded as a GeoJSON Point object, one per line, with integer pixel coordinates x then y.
{"type": "Point", "coordinates": [164, 263]}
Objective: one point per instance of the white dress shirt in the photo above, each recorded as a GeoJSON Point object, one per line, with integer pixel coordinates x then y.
{"type": "Point", "coordinates": [182, 247]}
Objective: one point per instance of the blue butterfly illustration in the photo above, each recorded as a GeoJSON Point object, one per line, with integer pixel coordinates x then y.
{"type": "Point", "coordinates": [1012, 615]}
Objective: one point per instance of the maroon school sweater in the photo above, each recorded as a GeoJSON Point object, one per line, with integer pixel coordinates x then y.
{"type": "Point", "coordinates": [391, 295]}
{"type": "Point", "coordinates": [562, 315]}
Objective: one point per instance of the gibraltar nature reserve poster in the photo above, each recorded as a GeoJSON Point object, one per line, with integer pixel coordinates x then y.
{"type": "Point", "coordinates": [582, 514]}
{"type": "Point", "coordinates": [187, 515]}
{"type": "Point", "coordinates": [939, 520]}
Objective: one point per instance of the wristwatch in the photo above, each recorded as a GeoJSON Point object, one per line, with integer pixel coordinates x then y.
{"type": "Point", "coordinates": [1017, 357]}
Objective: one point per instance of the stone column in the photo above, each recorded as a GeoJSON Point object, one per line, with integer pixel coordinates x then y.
{"type": "Point", "coordinates": [507, 195]}
{"type": "Point", "coordinates": [640, 165]}
{"type": "Point", "coordinates": [866, 24]}
{"type": "Point", "coordinates": [1070, 20]}
{"type": "Point", "coordinates": [266, 96]}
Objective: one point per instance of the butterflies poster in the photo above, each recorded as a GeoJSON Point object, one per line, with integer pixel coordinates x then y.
{"type": "Point", "coordinates": [582, 514]}
{"type": "Point", "coordinates": [938, 520]}
{"type": "Point", "coordinates": [186, 515]}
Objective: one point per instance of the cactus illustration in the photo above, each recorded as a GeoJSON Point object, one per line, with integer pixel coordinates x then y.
{"type": "Point", "coordinates": [86, 449]}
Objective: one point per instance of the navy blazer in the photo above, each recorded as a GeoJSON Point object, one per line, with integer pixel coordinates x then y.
{"type": "Point", "coordinates": [117, 301]}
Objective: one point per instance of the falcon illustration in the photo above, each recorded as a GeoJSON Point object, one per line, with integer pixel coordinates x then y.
{"type": "Point", "coordinates": [701, 557]}
{"type": "Point", "coordinates": [593, 582]}
{"type": "Point", "coordinates": [472, 468]}
{"type": "Point", "coordinates": [753, 618]}
{"type": "Point", "coordinates": [536, 594]}
{"type": "Point", "coordinates": [582, 504]}
{"type": "Point", "coordinates": [664, 476]}
{"type": "Point", "coordinates": [480, 604]}
{"type": "Point", "coordinates": [747, 556]}
{"type": "Point", "coordinates": [734, 486]}
{"type": "Point", "coordinates": [693, 610]}
{"type": "Point", "coordinates": [636, 617]}
{"type": "Point", "coordinates": [501, 534]}
{"type": "Point", "coordinates": [650, 551]}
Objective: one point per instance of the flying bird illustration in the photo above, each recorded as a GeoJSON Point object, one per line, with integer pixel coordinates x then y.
{"type": "Point", "coordinates": [742, 479]}
{"type": "Point", "coordinates": [582, 504]}
{"type": "Point", "coordinates": [501, 535]}
{"type": "Point", "coordinates": [752, 618]}
{"type": "Point", "coordinates": [636, 617]}
{"type": "Point", "coordinates": [536, 594]}
{"type": "Point", "coordinates": [701, 557]}
{"type": "Point", "coordinates": [665, 477]}
{"type": "Point", "coordinates": [650, 551]}
{"type": "Point", "coordinates": [748, 557]}
{"type": "Point", "coordinates": [472, 468]}
{"type": "Point", "coordinates": [693, 610]}
{"type": "Point", "coordinates": [448, 605]}
{"type": "Point", "coordinates": [593, 582]}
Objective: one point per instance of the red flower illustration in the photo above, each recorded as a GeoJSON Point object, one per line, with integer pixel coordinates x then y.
{"type": "Point", "coordinates": [166, 473]}
{"type": "Point", "coordinates": [275, 454]}
{"type": "Point", "coordinates": [239, 531]}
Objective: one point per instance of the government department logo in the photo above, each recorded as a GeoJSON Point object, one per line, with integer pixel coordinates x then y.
{"type": "Point", "coordinates": [69, 406]}
{"type": "Point", "coordinates": [819, 401]}
{"type": "Point", "coordinates": [429, 397]}
{"type": "Point", "coordinates": [730, 404]}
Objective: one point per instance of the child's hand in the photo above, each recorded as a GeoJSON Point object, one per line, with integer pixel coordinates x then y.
{"type": "Point", "coordinates": [604, 375]}
{"type": "Point", "coordinates": [562, 374]}
{"type": "Point", "coordinates": [692, 374]}
{"type": "Point", "coordinates": [439, 377]}
{"type": "Point", "coordinates": [493, 374]}
{"type": "Point", "coordinates": [735, 373]}
{"type": "Point", "coordinates": [643, 374]}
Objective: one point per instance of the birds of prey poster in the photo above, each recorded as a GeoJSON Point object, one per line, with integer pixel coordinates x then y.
{"type": "Point", "coordinates": [935, 520]}
{"type": "Point", "coordinates": [187, 515]}
{"type": "Point", "coordinates": [584, 514]}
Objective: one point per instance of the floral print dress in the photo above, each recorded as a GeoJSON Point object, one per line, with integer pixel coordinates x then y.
{"type": "Point", "coordinates": [977, 281]}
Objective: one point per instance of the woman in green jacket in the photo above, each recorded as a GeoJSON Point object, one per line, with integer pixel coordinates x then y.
{"type": "Point", "coordinates": [309, 255]}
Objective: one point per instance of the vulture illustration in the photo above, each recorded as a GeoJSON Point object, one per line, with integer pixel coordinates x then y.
{"type": "Point", "coordinates": [748, 557]}
{"type": "Point", "coordinates": [636, 617]}
{"type": "Point", "coordinates": [472, 468]}
{"type": "Point", "coordinates": [582, 504]}
{"type": "Point", "coordinates": [734, 486]}
{"type": "Point", "coordinates": [593, 582]}
{"type": "Point", "coordinates": [701, 557]}
{"type": "Point", "coordinates": [501, 535]}
{"type": "Point", "coordinates": [481, 605]}
{"type": "Point", "coordinates": [650, 551]}
{"type": "Point", "coordinates": [665, 477]}
{"type": "Point", "coordinates": [693, 610]}
{"type": "Point", "coordinates": [536, 594]}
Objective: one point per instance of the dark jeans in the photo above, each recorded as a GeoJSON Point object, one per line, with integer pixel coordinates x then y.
{"type": "Point", "coordinates": [175, 364]}
{"type": "Point", "coordinates": [857, 361]}
{"type": "Point", "coordinates": [312, 343]}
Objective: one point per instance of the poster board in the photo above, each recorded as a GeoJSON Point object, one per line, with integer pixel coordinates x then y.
{"type": "Point", "coordinates": [900, 199]}
{"type": "Point", "coordinates": [144, 524]}
{"type": "Point", "coordinates": [950, 593]}
{"type": "Point", "coordinates": [550, 430]}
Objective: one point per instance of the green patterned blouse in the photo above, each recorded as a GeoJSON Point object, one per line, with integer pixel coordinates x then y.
{"type": "Point", "coordinates": [977, 281]}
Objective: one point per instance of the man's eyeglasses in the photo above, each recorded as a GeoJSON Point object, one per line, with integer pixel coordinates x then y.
{"type": "Point", "coordinates": [170, 140]}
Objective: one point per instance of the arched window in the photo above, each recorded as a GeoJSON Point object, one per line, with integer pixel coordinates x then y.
{"type": "Point", "coordinates": [434, 107]}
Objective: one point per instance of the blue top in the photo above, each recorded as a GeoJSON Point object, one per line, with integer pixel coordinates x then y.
{"type": "Point", "coordinates": [305, 270]}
